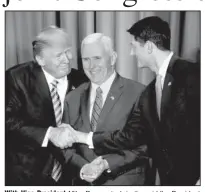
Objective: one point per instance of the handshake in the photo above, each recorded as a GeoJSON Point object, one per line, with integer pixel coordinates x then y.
{"type": "Point", "coordinates": [90, 172]}
{"type": "Point", "coordinates": [64, 136]}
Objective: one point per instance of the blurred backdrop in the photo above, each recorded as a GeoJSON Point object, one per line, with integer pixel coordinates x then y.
{"type": "Point", "coordinates": [22, 27]}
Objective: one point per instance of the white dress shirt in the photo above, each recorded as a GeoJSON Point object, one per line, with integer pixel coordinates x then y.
{"type": "Point", "coordinates": [163, 68]}
{"type": "Point", "coordinates": [105, 87]}
{"type": "Point", "coordinates": [61, 88]}
{"type": "Point", "coordinates": [105, 90]}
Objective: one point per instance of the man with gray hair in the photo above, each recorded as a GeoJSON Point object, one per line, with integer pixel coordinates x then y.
{"type": "Point", "coordinates": [104, 104]}
{"type": "Point", "coordinates": [35, 93]}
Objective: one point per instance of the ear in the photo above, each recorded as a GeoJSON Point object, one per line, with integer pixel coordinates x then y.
{"type": "Point", "coordinates": [113, 58]}
{"type": "Point", "coordinates": [149, 46]}
{"type": "Point", "coordinates": [40, 60]}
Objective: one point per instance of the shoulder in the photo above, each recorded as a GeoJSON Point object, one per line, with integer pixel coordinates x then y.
{"type": "Point", "coordinates": [132, 86]}
{"type": "Point", "coordinates": [21, 69]}
{"type": "Point", "coordinates": [81, 88]}
{"type": "Point", "coordinates": [76, 93]}
{"type": "Point", "coordinates": [186, 72]}
{"type": "Point", "coordinates": [77, 77]}
{"type": "Point", "coordinates": [187, 75]}
{"type": "Point", "coordinates": [183, 67]}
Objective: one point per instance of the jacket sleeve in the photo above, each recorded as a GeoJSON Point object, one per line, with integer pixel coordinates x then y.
{"type": "Point", "coordinates": [133, 135]}
{"type": "Point", "coordinates": [119, 164]}
{"type": "Point", "coordinates": [73, 159]}
{"type": "Point", "coordinates": [16, 124]}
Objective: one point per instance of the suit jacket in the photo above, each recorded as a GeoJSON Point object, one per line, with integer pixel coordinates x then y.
{"type": "Point", "coordinates": [29, 113]}
{"type": "Point", "coordinates": [173, 141]}
{"type": "Point", "coordinates": [127, 168]}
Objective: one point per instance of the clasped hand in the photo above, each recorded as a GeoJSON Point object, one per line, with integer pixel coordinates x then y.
{"type": "Point", "coordinates": [62, 136]}
{"type": "Point", "coordinates": [90, 172]}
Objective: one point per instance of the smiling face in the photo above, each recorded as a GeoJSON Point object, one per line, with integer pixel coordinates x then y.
{"type": "Point", "coordinates": [56, 57]}
{"type": "Point", "coordinates": [97, 62]}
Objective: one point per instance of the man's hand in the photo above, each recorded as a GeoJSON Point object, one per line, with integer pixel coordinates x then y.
{"type": "Point", "coordinates": [90, 172]}
{"type": "Point", "coordinates": [62, 137]}
{"type": "Point", "coordinates": [80, 137]}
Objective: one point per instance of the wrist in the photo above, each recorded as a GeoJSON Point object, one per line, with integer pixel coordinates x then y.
{"type": "Point", "coordinates": [106, 165]}
{"type": "Point", "coordinates": [81, 137]}
{"type": "Point", "coordinates": [51, 132]}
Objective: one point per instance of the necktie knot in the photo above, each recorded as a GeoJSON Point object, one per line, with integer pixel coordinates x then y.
{"type": "Point", "coordinates": [99, 91]}
{"type": "Point", "coordinates": [54, 83]}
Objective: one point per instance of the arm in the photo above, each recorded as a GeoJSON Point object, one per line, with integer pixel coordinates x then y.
{"type": "Point", "coordinates": [16, 124]}
{"type": "Point", "coordinates": [121, 163]}
{"type": "Point", "coordinates": [73, 159]}
{"type": "Point", "coordinates": [133, 134]}
{"type": "Point", "coordinates": [120, 160]}
{"type": "Point", "coordinates": [30, 130]}
{"type": "Point", "coordinates": [190, 157]}
{"type": "Point", "coordinates": [114, 164]}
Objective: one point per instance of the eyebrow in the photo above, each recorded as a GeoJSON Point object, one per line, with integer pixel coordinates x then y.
{"type": "Point", "coordinates": [59, 53]}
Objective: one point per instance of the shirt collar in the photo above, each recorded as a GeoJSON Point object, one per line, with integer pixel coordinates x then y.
{"type": "Point", "coordinates": [50, 78]}
{"type": "Point", "coordinates": [164, 66]}
{"type": "Point", "coordinates": [107, 84]}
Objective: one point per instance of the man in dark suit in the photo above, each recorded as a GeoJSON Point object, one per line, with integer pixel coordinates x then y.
{"type": "Point", "coordinates": [34, 105]}
{"type": "Point", "coordinates": [168, 114]}
{"type": "Point", "coordinates": [105, 111]}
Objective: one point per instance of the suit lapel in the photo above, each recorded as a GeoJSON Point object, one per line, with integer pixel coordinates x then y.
{"type": "Point", "coordinates": [152, 100]}
{"type": "Point", "coordinates": [85, 107]}
{"type": "Point", "coordinates": [112, 98]}
{"type": "Point", "coordinates": [42, 92]}
{"type": "Point", "coordinates": [168, 82]}
{"type": "Point", "coordinates": [70, 83]}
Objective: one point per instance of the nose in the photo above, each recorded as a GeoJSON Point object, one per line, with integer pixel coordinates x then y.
{"type": "Point", "coordinates": [91, 63]}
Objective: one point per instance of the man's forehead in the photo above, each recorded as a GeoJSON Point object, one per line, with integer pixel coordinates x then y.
{"type": "Point", "coordinates": [95, 47]}
{"type": "Point", "coordinates": [56, 39]}
{"type": "Point", "coordinates": [60, 41]}
{"type": "Point", "coordinates": [58, 49]}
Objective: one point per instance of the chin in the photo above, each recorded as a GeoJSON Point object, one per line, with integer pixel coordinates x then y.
{"type": "Point", "coordinates": [63, 74]}
{"type": "Point", "coordinates": [66, 71]}
{"type": "Point", "coordinates": [96, 81]}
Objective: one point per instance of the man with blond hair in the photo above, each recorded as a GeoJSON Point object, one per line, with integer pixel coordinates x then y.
{"type": "Point", "coordinates": [35, 93]}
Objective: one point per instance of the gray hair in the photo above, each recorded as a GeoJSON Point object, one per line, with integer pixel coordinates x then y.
{"type": "Point", "coordinates": [99, 37]}
{"type": "Point", "coordinates": [45, 38]}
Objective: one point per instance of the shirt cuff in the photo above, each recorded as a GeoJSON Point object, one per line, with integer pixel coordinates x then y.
{"type": "Point", "coordinates": [45, 141]}
{"type": "Point", "coordinates": [89, 141]}
{"type": "Point", "coordinates": [108, 170]}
